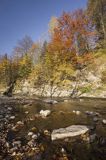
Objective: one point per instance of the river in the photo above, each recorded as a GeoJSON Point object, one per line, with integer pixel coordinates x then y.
{"type": "Point", "coordinates": [89, 112]}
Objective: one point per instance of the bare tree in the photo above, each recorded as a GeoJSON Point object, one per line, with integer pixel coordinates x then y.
{"type": "Point", "coordinates": [23, 46]}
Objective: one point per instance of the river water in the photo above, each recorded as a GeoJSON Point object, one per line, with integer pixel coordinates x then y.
{"type": "Point", "coordinates": [62, 113]}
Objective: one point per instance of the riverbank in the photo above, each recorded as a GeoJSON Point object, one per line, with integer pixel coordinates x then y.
{"type": "Point", "coordinates": [32, 99]}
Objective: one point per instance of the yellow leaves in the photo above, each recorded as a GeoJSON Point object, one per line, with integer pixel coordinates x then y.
{"type": "Point", "coordinates": [53, 24]}
{"type": "Point", "coordinates": [23, 61]}
{"type": "Point", "coordinates": [4, 64]}
{"type": "Point", "coordinates": [67, 68]}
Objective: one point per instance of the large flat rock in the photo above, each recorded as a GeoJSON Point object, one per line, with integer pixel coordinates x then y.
{"type": "Point", "coordinates": [71, 131]}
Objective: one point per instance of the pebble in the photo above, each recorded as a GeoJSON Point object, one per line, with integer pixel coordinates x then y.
{"type": "Point", "coordinates": [14, 153]}
{"type": "Point", "coordinates": [12, 117]}
{"type": "Point", "coordinates": [20, 123]}
{"type": "Point", "coordinates": [95, 119]}
{"type": "Point", "coordinates": [30, 133]}
{"type": "Point", "coordinates": [9, 108]}
{"type": "Point", "coordinates": [63, 150]}
{"type": "Point", "coordinates": [46, 132]}
{"type": "Point", "coordinates": [26, 112]}
{"type": "Point", "coordinates": [17, 143]}
{"type": "Point", "coordinates": [34, 129]}
{"type": "Point", "coordinates": [34, 136]}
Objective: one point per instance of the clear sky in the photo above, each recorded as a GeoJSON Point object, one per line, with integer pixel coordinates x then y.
{"type": "Point", "coordinates": [29, 17]}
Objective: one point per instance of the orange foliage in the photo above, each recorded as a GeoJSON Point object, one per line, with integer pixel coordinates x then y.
{"type": "Point", "coordinates": [72, 35]}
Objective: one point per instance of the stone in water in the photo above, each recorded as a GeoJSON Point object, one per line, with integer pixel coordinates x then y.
{"type": "Point", "coordinates": [71, 131]}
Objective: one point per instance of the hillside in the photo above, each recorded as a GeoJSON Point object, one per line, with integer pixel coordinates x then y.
{"type": "Point", "coordinates": [92, 82]}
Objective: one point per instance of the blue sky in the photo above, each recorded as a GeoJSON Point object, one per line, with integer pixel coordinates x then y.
{"type": "Point", "coordinates": [29, 17]}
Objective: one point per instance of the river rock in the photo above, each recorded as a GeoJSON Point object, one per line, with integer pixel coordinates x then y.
{"type": "Point", "coordinates": [7, 116]}
{"type": "Point", "coordinates": [50, 101]}
{"type": "Point", "coordinates": [26, 112]}
{"type": "Point", "coordinates": [46, 133]}
{"type": "Point", "coordinates": [30, 133]}
{"type": "Point", "coordinates": [12, 117]}
{"type": "Point", "coordinates": [34, 136]}
{"type": "Point", "coordinates": [34, 129]}
{"type": "Point", "coordinates": [9, 108]}
{"type": "Point", "coordinates": [71, 131]}
{"type": "Point", "coordinates": [104, 121]}
{"type": "Point", "coordinates": [45, 113]}
{"type": "Point", "coordinates": [17, 143]}
{"type": "Point", "coordinates": [95, 119]}
{"type": "Point", "coordinates": [18, 126]}
{"type": "Point", "coordinates": [20, 123]}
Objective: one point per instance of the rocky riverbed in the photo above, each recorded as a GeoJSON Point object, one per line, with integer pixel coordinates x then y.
{"type": "Point", "coordinates": [27, 128]}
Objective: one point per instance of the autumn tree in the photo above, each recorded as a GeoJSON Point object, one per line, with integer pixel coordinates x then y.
{"type": "Point", "coordinates": [52, 25]}
{"type": "Point", "coordinates": [37, 51]}
{"type": "Point", "coordinates": [5, 70]}
{"type": "Point", "coordinates": [73, 36]}
{"type": "Point", "coordinates": [69, 49]}
{"type": "Point", "coordinates": [22, 57]}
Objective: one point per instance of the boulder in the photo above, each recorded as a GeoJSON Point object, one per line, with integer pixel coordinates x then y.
{"type": "Point", "coordinates": [71, 131]}
{"type": "Point", "coordinates": [45, 113]}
